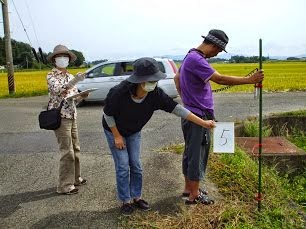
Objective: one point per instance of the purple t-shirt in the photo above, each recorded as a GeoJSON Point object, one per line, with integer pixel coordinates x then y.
{"type": "Point", "coordinates": [195, 73]}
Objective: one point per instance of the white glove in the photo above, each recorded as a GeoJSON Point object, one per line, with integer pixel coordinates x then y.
{"type": "Point", "coordinates": [78, 77]}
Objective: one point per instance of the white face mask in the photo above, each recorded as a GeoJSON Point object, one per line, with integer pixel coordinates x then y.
{"type": "Point", "coordinates": [149, 86]}
{"type": "Point", "coordinates": [62, 61]}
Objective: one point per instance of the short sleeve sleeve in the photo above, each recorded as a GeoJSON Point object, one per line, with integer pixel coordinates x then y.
{"type": "Point", "coordinates": [200, 67]}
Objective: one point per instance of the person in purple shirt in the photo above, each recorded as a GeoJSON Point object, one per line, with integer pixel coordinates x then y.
{"type": "Point", "coordinates": [193, 84]}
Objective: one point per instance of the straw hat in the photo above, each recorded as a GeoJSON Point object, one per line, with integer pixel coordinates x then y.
{"type": "Point", "coordinates": [61, 49]}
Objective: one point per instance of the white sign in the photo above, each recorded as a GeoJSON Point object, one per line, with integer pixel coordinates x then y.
{"type": "Point", "coordinates": [224, 139]}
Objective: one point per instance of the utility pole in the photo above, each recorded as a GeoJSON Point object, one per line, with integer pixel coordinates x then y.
{"type": "Point", "coordinates": [27, 62]}
{"type": "Point", "coordinates": [8, 48]}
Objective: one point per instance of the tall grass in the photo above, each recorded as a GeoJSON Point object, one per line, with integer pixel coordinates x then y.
{"type": "Point", "coordinates": [251, 129]}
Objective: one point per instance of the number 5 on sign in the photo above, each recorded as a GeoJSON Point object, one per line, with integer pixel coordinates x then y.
{"type": "Point", "coordinates": [224, 139]}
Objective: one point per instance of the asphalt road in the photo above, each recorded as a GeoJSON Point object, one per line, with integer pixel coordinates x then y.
{"type": "Point", "coordinates": [29, 162]}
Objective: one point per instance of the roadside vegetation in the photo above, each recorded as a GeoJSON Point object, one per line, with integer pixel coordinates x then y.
{"type": "Point", "coordinates": [279, 76]}
{"type": "Point", "coordinates": [236, 176]}
{"type": "Point", "coordinates": [297, 136]}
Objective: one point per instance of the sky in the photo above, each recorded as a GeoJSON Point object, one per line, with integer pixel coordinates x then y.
{"type": "Point", "coordinates": [111, 29]}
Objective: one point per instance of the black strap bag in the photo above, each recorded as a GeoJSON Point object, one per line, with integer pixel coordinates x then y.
{"type": "Point", "coordinates": [50, 119]}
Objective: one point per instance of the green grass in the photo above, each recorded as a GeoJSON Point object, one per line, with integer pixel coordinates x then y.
{"type": "Point", "coordinates": [297, 187]}
{"type": "Point", "coordinates": [298, 138]}
{"type": "Point", "coordinates": [299, 113]}
{"type": "Point", "coordinates": [237, 176]}
{"type": "Point", "coordinates": [251, 129]}
{"type": "Point", "coordinates": [297, 184]}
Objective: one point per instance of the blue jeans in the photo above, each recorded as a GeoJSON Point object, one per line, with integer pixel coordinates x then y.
{"type": "Point", "coordinates": [127, 165]}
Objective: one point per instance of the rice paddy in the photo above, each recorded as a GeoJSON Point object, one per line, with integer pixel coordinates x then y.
{"type": "Point", "coordinates": [279, 77]}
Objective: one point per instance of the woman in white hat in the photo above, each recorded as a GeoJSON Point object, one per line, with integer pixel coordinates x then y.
{"type": "Point", "coordinates": [60, 85]}
{"type": "Point", "coordinates": [128, 107]}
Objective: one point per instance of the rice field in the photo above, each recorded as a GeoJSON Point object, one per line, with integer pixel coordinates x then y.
{"type": "Point", "coordinates": [29, 83]}
{"type": "Point", "coordinates": [279, 77]}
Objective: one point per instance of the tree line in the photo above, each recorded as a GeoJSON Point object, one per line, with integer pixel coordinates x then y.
{"type": "Point", "coordinates": [239, 59]}
{"type": "Point", "coordinates": [23, 56]}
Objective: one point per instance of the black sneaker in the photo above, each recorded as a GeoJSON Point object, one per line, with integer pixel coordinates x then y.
{"type": "Point", "coordinates": [142, 204]}
{"type": "Point", "coordinates": [185, 195]}
{"type": "Point", "coordinates": [201, 199]}
{"type": "Point", "coordinates": [126, 209]}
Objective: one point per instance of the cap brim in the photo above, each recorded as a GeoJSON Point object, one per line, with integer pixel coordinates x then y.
{"type": "Point", "coordinates": [214, 43]}
{"type": "Point", "coordinates": [140, 79]}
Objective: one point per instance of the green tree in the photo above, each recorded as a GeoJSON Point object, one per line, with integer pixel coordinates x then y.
{"type": "Point", "coordinates": [26, 60]}
{"type": "Point", "coordinates": [22, 52]}
{"type": "Point", "coordinates": [2, 52]}
{"type": "Point", "coordinates": [80, 58]}
{"type": "Point", "coordinates": [293, 58]}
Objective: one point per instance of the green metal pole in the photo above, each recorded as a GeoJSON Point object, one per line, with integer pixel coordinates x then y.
{"type": "Point", "coordinates": [260, 129]}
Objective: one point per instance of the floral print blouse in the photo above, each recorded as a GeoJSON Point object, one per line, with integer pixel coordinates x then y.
{"type": "Point", "coordinates": [58, 90]}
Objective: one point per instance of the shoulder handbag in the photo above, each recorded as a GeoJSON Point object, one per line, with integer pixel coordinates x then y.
{"type": "Point", "coordinates": [50, 119]}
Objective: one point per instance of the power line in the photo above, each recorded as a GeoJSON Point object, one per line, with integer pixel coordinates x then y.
{"type": "Point", "coordinates": [32, 23]}
{"type": "Point", "coordinates": [22, 23]}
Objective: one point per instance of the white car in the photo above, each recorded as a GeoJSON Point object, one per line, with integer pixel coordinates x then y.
{"type": "Point", "coordinates": [106, 75]}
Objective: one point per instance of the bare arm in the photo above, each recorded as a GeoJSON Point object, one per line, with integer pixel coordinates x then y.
{"type": "Point", "coordinates": [236, 80]}
{"type": "Point", "coordinates": [177, 83]}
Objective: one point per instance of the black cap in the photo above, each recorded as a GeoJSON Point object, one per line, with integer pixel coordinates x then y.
{"type": "Point", "coordinates": [146, 69]}
{"type": "Point", "coordinates": [217, 37]}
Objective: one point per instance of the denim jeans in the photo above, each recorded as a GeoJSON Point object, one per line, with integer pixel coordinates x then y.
{"type": "Point", "coordinates": [127, 165]}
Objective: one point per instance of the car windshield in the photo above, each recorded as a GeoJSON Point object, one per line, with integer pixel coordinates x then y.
{"type": "Point", "coordinates": [126, 68]}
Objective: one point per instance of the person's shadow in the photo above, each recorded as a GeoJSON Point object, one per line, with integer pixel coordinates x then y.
{"type": "Point", "coordinates": [110, 218]}
{"type": "Point", "coordinates": [10, 203]}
